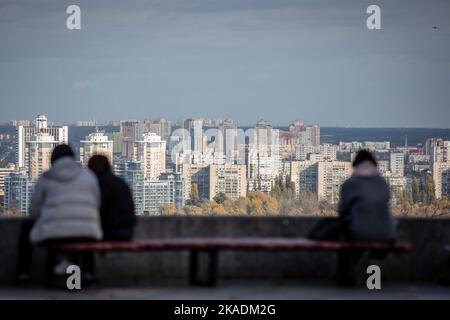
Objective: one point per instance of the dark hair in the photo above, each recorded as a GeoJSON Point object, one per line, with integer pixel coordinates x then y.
{"type": "Point", "coordinates": [60, 151]}
{"type": "Point", "coordinates": [364, 155]}
{"type": "Point", "coordinates": [99, 164]}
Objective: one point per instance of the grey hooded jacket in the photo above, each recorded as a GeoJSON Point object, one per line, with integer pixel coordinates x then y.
{"type": "Point", "coordinates": [66, 203]}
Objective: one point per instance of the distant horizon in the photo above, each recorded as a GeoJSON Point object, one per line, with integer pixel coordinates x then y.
{"type": "Point", "coordinates": [103, 124]}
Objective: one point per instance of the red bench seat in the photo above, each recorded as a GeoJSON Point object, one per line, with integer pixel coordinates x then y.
{"type": "Point", "coordinates": [228, 243]}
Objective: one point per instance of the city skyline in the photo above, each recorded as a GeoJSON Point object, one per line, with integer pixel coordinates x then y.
{"type": "Point", "coordinates": [315, 61]}
{"type": "Point", "coordinates": [91, 122]}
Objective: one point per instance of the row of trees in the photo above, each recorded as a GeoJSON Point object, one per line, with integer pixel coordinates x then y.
{"type": "Point", "coordinates": [256, 203]}
{"type": "Point", "coordinates": [282, 200]}
{"type": "Point", "coordinates": [423, 190]}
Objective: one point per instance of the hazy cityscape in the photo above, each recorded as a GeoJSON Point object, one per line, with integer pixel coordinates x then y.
{"type": "Point", "coordinates": [215, 167]}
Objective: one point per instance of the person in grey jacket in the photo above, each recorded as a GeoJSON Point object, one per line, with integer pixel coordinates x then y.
{"type": "Point", "coordinates": [364, 203]}
{"type": "Point", "coordinates": [363, 209]}
{"type": "Point", "coordinates": [363, 215]}
{"type": "Point", "coordinates": [64, 207]}
{"type": "Point", "coordinates": [66, 203]}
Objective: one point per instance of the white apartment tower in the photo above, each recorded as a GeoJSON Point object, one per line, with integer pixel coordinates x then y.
{"type": "Point", "coordinates": [150, 150]}
{"type": "Point", "coordinates": [25, 133]}
{"type": "Point", "coordinates": [96, 143]}
{"type": "Point", "coordinates": [39, 148]}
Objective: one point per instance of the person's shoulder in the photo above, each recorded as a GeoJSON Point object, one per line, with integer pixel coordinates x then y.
{"type": "Point", "coordinates": [41, 182]}
{"type": "Point", "coordinates": [120, 182]}
{"type": "Point", "coordinates": [88, 175]}
{"type": "Point", "coordinates": [381, 180]}
{"type": "Point", "coordinates": [350, 182]}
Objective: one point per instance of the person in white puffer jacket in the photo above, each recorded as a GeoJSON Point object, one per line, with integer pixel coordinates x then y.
{"type": "Point", "coordinates": [65, 206]}
{"type": "Point", "coordinates": [66, 203]}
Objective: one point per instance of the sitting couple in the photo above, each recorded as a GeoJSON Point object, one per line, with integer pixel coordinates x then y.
{"type": "Point", "coordinates": [71, 204]}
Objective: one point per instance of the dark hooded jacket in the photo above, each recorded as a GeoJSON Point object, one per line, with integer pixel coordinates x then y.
{"type": "Point", "coordinates": [117, 209]}
{"type": "Point", "coordinates": [364, 206]}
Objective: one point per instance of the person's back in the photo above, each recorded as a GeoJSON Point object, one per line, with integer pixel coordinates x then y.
{"type": "Point", "coordinates": [117, 210]}
{"type": "Point", "coordinates": [117, 207]}
{"type": "Point", "coordinates": [364, 204]}
{"type": "Point", "coordinates": [66, 203]}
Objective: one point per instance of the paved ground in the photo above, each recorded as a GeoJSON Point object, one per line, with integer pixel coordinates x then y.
{"type": "Point", "coordinates": [240, 290]}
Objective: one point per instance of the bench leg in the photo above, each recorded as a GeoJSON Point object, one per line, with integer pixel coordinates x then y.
{"type": "Point", "coordinates": [193, 267]}
{"type": "Point", "coordinates": [49, 265]}
{"type": "Point", "coordinates": [346, 266]}
{"type": "Point", "coordinates": [212, 268]}
{"type": "Point", "coordinates": [213, 265]}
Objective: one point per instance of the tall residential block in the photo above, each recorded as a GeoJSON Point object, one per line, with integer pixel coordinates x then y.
{"type": "Point", "coordinates": [150, 150]}
{"type": "Point", "coordinates": [96, 143]}
{"type": "Point", "coordinates": [228, 179]}
{"type": "Point", "coordinates": [25, 133]}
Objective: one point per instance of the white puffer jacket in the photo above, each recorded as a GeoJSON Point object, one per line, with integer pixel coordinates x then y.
{"type": "Point", "coordinates": [66, 203]}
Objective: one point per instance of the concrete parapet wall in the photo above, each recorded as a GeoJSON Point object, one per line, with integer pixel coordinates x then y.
{"type": "Point", "coordinates": [427, 262]}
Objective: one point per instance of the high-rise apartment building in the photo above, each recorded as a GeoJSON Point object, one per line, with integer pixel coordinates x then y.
{"type": "Point", "coordinates": [176, 182]}
{"type": "Point", "coordinates": [18, 192]}
{"type": "Point", "coordinates": [96, 143]}
{"type": "Point", "coordinates": [229, 179]}
{"type": "Point", "coordinates": [441, 178]}
{"type": "Point", "coordinates": [397, 163]}
{"type": "Point", "coordinates": [198, 175]}
{"type": "Point", "coordinates": [323, 152]}
{"type": "Point", "coordinates": [161, 127]}
{"type": "Point", "coordinates": [169, 189]}
{"type": "Point", "coordinates": [262, 157]}
{"type": "Point", "coordinates": [438, 150]}
{"type": "Point", "coordinates": [330, 176]}
{"type": "Point", "coordinates": [306, 134]}
{"type": "Point", "coordinates": [39, 148]}
{"type": "Point", "coordinates": [304, 176]}
{"type": "Point", "coordinates": [150, 150]}
{"type": "Point", "coordinates": [117, 139]}
{"type": "Point", "coordinates": [132, 172]}
{"type": "Point", "coordinates": [3, 173]}
{"type": "Point", "coordinates": [25, 133]}
{"type": "Point", "coordinates": [149, 195]}
{"type": "Point", "coordinates": [128, 130]}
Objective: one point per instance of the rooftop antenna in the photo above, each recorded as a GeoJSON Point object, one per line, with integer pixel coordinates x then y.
{"type": "Point", "coordinates": [96, 124]}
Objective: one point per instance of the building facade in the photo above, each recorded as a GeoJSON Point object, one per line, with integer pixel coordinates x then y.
{"type": "Point", "coordinates": [228, 179]}
{"type": "Point", "coordinates": [25, 133]}
{"type": "Point", "coordinates": [330, 176]}
{"type": "Point", "coordinates": [18, 192]}
{"type": "Point", "coordinates": [150, 150]}
{"type": "Point", "coordinates": [96, 143]}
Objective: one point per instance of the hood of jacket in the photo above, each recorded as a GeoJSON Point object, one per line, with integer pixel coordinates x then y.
{"type": "Point", "coordinates": [64, 169]}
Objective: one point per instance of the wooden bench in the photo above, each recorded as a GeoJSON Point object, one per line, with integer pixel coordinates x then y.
{"type": "Point", "coordinates": [212, 246]}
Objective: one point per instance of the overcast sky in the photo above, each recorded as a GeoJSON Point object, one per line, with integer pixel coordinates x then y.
{"type": "Point", "coordinates": [279, 60]}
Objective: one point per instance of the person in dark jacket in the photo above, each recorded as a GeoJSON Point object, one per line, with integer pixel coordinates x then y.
{"type": "Point", "coordinates": [363, 215]}
{"type": "Point", "coordinates": [117, 208]}
{"type": "Point", "coordinates": [363, 207]}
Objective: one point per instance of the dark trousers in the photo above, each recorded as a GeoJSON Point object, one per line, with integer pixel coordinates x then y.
{"type": "Point", "coordinates": [332, 229]}
{"type": "Point", "coordinates": [26, 249]}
